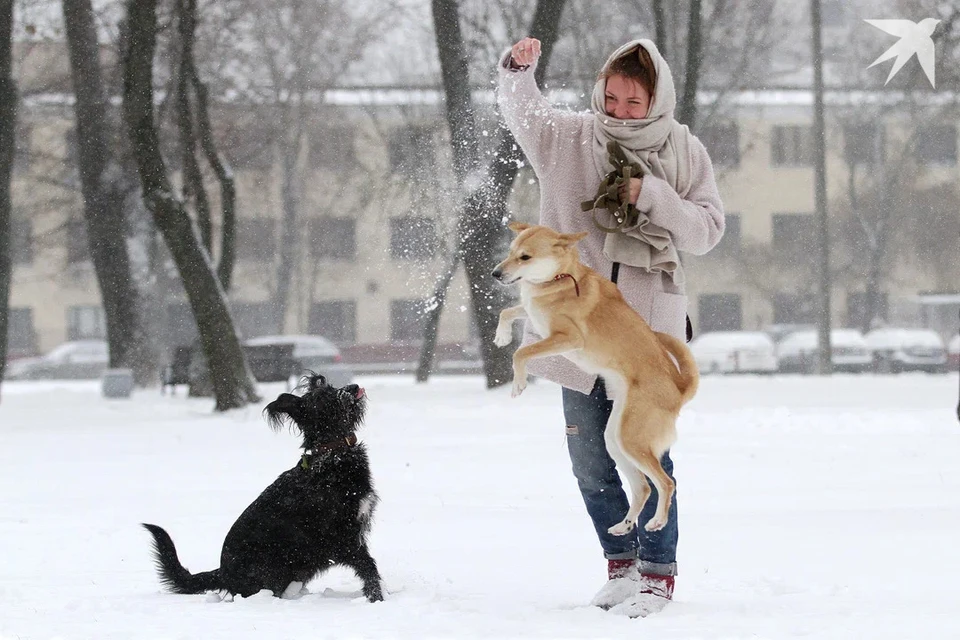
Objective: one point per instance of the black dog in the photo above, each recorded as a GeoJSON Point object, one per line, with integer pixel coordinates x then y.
{"type": "Point", "coordinates": [314, 516]}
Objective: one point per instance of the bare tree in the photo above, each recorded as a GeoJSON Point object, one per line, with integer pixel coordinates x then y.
{"type": "Point", "coordinates": [104, 195]}
{"type": "Point", "coordinates": [480, 231]}
{"type": "Point", "coordinates": [8, 123]}
{"type": "Point", "coordinates": [687, 104]}
{"type": "Point", "coordinates": [286, 54]}
{"type": "Point", "coordinates": [233, 383]}
{"type": "Point", "coordinates": [196, 130]}
{"type": "Point", "coordinates": [887, 186]}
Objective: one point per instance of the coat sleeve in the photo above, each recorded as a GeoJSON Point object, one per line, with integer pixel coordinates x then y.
{"type": "Point", "coordinates": [696, 221]}
{"type": "Point", "coordinates": [541, 129]}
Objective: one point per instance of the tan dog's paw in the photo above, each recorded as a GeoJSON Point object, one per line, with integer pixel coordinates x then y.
{"type": "Point", "coordinates": [655, 524]}
{"type": "Point", "coordinates": [621, 528]}
{"type": "Point", "coordinates": [518, 386]}
{"type": "Point", "coordinates": [503, 337]}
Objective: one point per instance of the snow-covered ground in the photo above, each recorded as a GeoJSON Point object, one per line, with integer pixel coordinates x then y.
{"type": "Point", "coordinates": [810, 507]}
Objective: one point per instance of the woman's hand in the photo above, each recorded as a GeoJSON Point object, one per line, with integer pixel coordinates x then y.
{"type": "Point", "coordinates": [525, 52]}
{"type": "Point", "coordinates": [635, 185]}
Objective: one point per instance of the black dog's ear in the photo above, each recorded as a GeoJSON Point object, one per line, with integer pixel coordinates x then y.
{"type": "Point", "coordinates": [286, 405]}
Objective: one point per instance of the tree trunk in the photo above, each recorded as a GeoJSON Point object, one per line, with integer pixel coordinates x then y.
{"type": "Point", "coordinates": [824, 350]}
{"type": "Point", "coordinates": [233, 383]}
{"type": "Point", "coordinates": [290, 226]}
{"type": "Point", "coordinates": [103, 197]}
{"type": "Point", "coordinates": [228, 191]}
{"type": "Point", "coordinates": [8, 123]}
{"type": "Point", "coordinates": [480, 230]}
{"type": "Point", "coordinates": [687, 111]}
{"type": "Point", "coordinates": [878, 258]}
{"type": "Point", "coordinates": [660, 26]}
{"type": "Point", "coordinates": [193, 188]}
{"type": "Point", "coordinates": [455, 71]}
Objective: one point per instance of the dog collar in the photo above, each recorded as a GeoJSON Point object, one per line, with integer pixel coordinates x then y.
{"type": "Point", "coordinates": [347, 441]}
{"type": "Point", "coordinates": [561, 276]}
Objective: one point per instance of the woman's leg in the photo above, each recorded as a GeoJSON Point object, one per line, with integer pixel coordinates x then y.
{"type": "Point", "coordinates": [602, 491]}
{"type": "Point", "coordinates": [596, 473]}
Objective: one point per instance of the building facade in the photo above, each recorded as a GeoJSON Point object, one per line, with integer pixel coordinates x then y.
{"type": "Point", "coordinates": [370, 182]}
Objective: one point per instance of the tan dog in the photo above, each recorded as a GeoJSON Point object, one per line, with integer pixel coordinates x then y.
{"type": "Point", "coordinates": [583, 317]}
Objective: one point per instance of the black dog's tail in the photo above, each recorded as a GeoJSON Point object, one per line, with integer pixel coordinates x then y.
{"type": "Point", "coordinates": [173, 575]}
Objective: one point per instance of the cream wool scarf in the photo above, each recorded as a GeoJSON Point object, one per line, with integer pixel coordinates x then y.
{"type": "Point", "coordinates": [660, 145]}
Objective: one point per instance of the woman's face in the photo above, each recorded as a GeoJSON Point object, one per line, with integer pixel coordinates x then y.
{"type": "Point", "coordinates": [626, 99]}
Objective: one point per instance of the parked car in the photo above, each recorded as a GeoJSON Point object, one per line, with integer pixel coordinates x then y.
{"type": "Point", "coordinates": [311, 353]}
{"type": "Point", "coordinates": [953, 353]}
{"type": "Point", "coordinates": [898, 349]}
{"type": "Point", "coordinates": [75, 360]}
{"type": "Point", "coordinates": [734, 352]}
{"type": "Point", "coordinates": [780, 331]}
{"type": "Point", "coordinates": [797, 352]}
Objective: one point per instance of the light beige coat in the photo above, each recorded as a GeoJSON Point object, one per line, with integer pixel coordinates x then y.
{"type": "Point", "coordinates": [559, 145]}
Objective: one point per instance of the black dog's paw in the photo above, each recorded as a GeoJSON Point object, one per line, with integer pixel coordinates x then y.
{"type": "Point", "coordinates": [373, 592]}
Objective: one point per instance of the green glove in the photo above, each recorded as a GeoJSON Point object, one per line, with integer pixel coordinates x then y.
{"type": "Point", "coordinates": [608, 194]}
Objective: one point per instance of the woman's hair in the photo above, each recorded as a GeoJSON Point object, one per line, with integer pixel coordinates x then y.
{"type": "Point", "coordinates": [636, 67]}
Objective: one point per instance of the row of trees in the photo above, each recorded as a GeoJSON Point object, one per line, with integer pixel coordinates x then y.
{"type": "Point", "coordinates": [176, 62]}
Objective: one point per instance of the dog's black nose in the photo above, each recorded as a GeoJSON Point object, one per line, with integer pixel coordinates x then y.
{"type": "Point", "coordinates": [353, 390]}
{"type": "Point", "coordinates": [497, 274]}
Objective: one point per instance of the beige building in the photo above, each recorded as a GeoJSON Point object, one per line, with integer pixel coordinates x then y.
{"type": "Point", "coordinates": [376, 215]}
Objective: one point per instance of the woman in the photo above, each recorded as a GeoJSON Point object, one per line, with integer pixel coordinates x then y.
{"type": "Point", "coordinates": [679, 210]}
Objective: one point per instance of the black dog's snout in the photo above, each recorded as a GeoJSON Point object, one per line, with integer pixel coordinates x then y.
{"type": "Point", "coordinates": [497, 274]}
{"type": "Point", "coordinates": [352, 389]}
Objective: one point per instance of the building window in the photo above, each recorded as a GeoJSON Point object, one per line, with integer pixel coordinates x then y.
{"type": "Point", "coordinates": [792, 146]}
{"type": "Point", "coordinates": [406, 320]}
{"type": "Point", "coordinates": [937, 144]}
{"type": "Point", "coordinates": [331, 147]}
{"type": "Point", "coordinates": [794, 237]}
{"type": "Point", "coordinates": [719, 312]}
{"type": "Point", "coordinates": [863, 144]}
{"type": "Point", "coordinates": [723, 144]}
{"type": "Point", "coordinates": [86, 322]}
{"type": "Point", "coordinates": [256, 239]}
{"type": "Point", "coordinates": [333, 238]}
{"type": "Point", "coordinates": [21, 337]}
{"type": "Point", "coordinates": [413, 238]}
{"type": "Point", "coordinates": [730, 242]}
{"type": "Point", "coordinates": [21, 241]}
{"type": "Point", "coordinates": [857, 309]}
{"type": "Point", "coordinates": [411, 149]}
{"type": "Point", "coordinates": [249, 147]}
{"type": "Point", "coordinates": [254, 319]}
{"type": "Point", "coordinates": [77, 248]}
{"type": "Point", "coordinates": [794, 308]}
{"type": "Point", "coordinates": [335, 320]}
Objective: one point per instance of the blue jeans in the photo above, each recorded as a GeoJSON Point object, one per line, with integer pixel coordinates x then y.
{"type": "Point", "coordinates": [602, 491]}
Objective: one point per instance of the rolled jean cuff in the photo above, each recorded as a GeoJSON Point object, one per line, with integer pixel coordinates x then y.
{"type": "Point", "coordinates": [626, 555]}
{"type": "Point", "coordinates": [658, 568]}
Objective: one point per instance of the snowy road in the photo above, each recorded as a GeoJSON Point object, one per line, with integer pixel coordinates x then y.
{"type": "Point", "coordinates": [816, 508]}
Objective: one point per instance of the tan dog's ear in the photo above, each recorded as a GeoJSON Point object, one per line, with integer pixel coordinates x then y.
{"type": "Point", "coordinates": [518, 227]}
{"type": "Point", "coordinates": [567, 239]}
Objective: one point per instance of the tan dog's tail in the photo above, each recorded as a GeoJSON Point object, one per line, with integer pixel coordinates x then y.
{"type": "Point", "coordinates": [687, 378]}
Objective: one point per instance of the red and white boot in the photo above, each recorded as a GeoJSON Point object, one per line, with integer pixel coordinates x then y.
{"type": "Point", "coordinates": [632, 593]}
